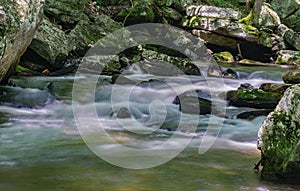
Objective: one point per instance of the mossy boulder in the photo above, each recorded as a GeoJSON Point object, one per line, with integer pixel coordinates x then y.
{"type": "Point", "coordinates": [66, 13]}
{"type": "Point", "coordinates": [18, 23]}
{"type": "Point", "coordinates": [293, 38]}
{"type": "Point", "coordinates": [163, 64]}
{"type": "Point", "coordinates": [289, 12]}
{"type": "Point", "coordinates": [141, 11]}
{"type": "Point", "coordinates": [279, 139]}
{"type": "Point", "coordinates": [274, 87]}
{"type": "Point", "coordinates": [288, 57]}
{"type": "Point", "coordinates": [51, 43]}
{"type": "Point", "coordinates": [255, 98]}
{"type": "Point", "coordinates": [218, 26]}
{"type": "Point", "coordinates": [223, 57]}
{"type": "Point", "coordinates": [292, 76]}
{"type": "Point", "coordinates": [55, 42]}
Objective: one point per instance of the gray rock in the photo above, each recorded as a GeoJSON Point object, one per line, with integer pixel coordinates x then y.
{"type": "Point", "coordinates": [195, 105]}
{"type": "Point", "coordinates": [285, 9]}
{"type": "Point", "coordinates": [292, 76]}
{"type": "Point", "coordinates": [65, 12]}
{"type": "Point", "coordinates": [274, 87]}
{"type": "Point", "coordinates": [289, 12]}
{"type": "Point", "coordinates": [162, 64]}
{"type": "Point", "coordinates": [293, 38]}
{"type": "Point", "coordinates": [287, 57]}
{"type": "Point", "coordinates": [55, 44]}
{"type": "Point", "coordinates": [279, 139]}
{"type": "Point", "coordinates": [26, 97]}
{"type": "Point", "coordinates": [212, 12]}
{"type": "Point", "coordinates": [19, 21]}
{"type": "Point", "coordinates": [123, 113]}
{"type": "Point", "coordinates": [268, 18]}
{"type": "Point", "coordinates": [194, 102]}
{"type": "Point", "coordinates": [51, 43]}
{"type": "Point", "coordinates": [220, 31]}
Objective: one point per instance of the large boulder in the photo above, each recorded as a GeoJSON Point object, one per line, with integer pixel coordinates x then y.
{"type": "Point", "coordinates": [293, 38]}
{"type": "Point", "coordinates": [165, 65]}
{"type": "Point", "coordinates": [218, 26]}
{"type": "Point", "coordinates": [194, 102]}
{"type": "Point", "coordinates": [279, 139]}
{"type": "Point", "coordinates": [142, 11]}
{"type": "Point", "coordinates": [63, 35]}
{"type": "Point", "coordinates": [253, 98]}
{"type": "Point", "coordinates": [18, 23]}
{"type": "Point", "coordinates": [268, 18]}
{"type": "Point", "coordinates": [289, 12]}
{"type": "Point", "coordinates": [292, 76]}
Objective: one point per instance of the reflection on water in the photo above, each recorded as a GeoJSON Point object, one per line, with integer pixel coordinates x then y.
{"type": "Point", "coordinates": [41, 149]}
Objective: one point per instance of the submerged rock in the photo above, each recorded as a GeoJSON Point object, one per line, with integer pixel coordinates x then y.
{"type": "Point", "coordinates": [123, 113]}
{"type": "Point", "coordinates": [279, 139]}
{"type": "Point", "coordinates": [250, 115]}
{"type": "Point", "coordinates": [26, 97]}
{"type": "Point", "coordinates": [194, 102]}
{"type": "Point", "coordinates": [18, 23]}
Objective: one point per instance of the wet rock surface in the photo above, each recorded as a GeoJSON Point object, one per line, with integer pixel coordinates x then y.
{"type": "Point", "coordinates": [278, 140]}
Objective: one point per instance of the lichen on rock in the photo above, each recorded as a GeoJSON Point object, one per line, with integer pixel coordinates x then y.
{"type": "Point", "coordinates": [279, 138]}
{"type": "Point", "coordinates": [19, 21]}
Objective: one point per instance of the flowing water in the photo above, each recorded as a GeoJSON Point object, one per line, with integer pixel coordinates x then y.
{"type": "Point", "coordinates": [41, 148]}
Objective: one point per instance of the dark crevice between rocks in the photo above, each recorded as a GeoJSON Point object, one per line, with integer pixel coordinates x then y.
{"type": "Point", "coordinates": [35, 62]}
{"type": "Point", "coordinates": [251, 51]}
{"type": "Point", "coordinates": [66, 27]}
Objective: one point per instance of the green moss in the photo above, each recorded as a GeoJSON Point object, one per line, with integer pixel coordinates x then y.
{"type": "Point", "coordinates": [247, 24]}
{"type": "Point", "coordinates": [248, 19]}
{"type": "Point", "coordinates": [223, 56]}
{"type": "Point", "coordinates": [12, 20]}
{"type": "Point", "coordinates": [280, 144]}
{"type": "Point", "coordinates": [257, 94]}
{"type": "Point", "coordinates": [20, 69]}
{"type": "Point", "coordinates": [141, 10]}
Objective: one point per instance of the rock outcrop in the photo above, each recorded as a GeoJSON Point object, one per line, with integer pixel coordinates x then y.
{"type": "Point", "coordinates": [292, 76]}
{"type": "Point", "coordinates": [279, 139]}
{"type": "Point", "coordinates": [289, 12]}
{"type": "Point", "coordinates": [18, 23]}
{"type": "Point", "coordinates": [68, 30]}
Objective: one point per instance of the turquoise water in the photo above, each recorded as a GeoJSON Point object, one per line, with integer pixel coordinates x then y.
{"type": "Point", "coordinates": [41, 149]}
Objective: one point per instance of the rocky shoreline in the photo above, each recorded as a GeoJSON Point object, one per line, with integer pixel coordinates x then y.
{"type": "Point", "coordinates": [51, 38]}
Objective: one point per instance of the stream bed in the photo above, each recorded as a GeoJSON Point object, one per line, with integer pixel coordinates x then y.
{"type": "Point", "coordinates": [42, 149]}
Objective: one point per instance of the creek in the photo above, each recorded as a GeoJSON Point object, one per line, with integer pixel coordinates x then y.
{"type": "Point", "coordinates": [42, 149]}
